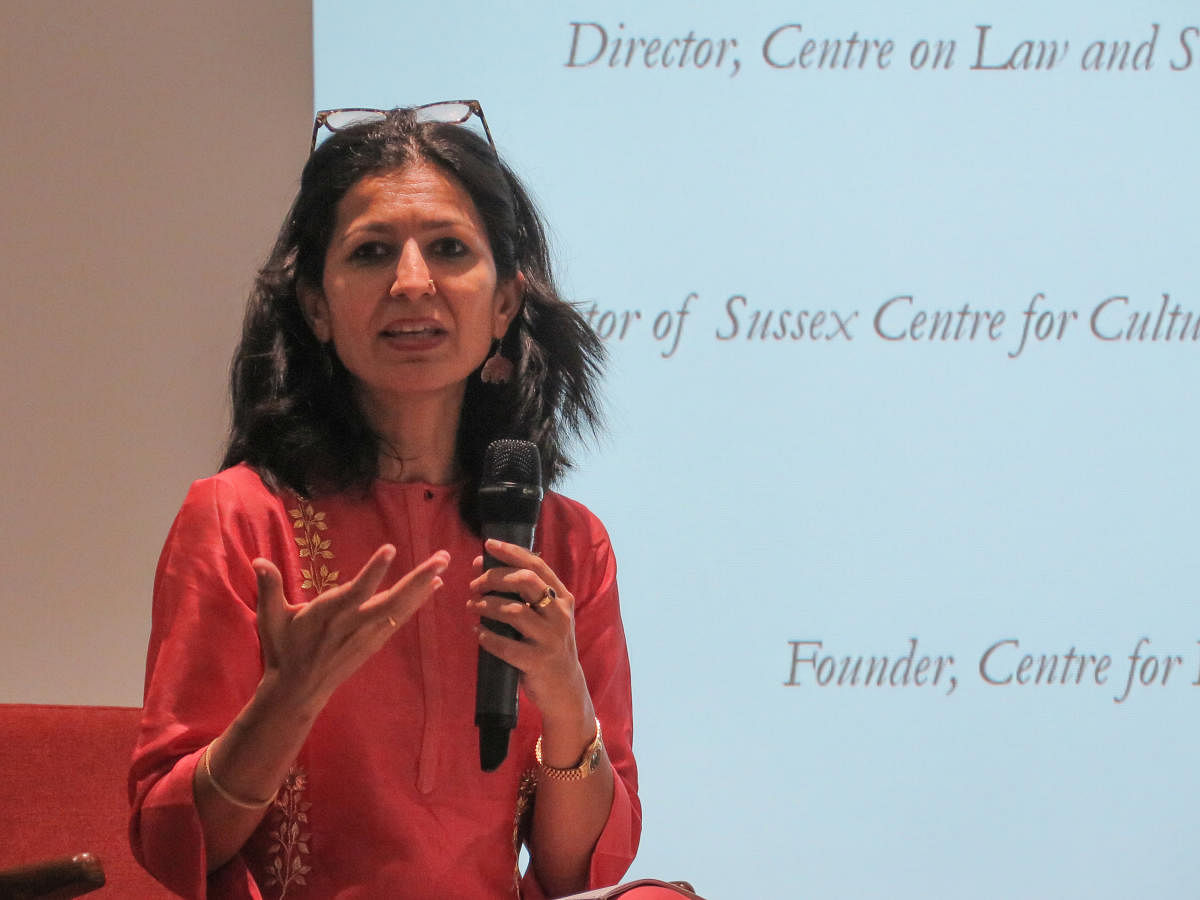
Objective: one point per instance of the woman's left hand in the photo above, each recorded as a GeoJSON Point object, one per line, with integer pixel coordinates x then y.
{"type": "Point", "coordinates": [569, 814]}
{"type": "Point", "coordinates": [545, 617]}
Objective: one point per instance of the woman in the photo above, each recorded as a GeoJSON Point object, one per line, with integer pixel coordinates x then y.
{"type": "Point", "coordinates": [308, 727]}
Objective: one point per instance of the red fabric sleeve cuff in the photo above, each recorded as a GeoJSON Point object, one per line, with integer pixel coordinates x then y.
{"type": "Point", "coordinates": [169, 841]}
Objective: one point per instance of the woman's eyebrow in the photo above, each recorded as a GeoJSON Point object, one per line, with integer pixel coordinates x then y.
{"type": "Point", "coordinates": [385, 227]}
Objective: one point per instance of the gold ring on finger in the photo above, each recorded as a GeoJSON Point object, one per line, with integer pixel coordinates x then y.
{"type": "Point", "coordinates": [547, 596]}
{"type": "Point", "coordinates": [392, 622]}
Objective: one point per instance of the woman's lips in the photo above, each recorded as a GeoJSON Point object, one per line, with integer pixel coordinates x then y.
{"type": "Point", "coordinates": [414, 335]}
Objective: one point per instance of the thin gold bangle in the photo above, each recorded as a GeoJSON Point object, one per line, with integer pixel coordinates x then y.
{"type": "Point", "coordinates": [228, 797]}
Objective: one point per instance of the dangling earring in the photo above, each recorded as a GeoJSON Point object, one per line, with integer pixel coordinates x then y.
{"type": "Point", "coordinates": [498, 369]}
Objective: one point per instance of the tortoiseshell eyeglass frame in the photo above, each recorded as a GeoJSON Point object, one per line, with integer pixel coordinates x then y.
{"type": "Point", "coordinates": [450, 112]}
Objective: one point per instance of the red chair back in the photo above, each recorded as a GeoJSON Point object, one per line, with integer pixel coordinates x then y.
{"type": "Point", "coordinates": [62, 790]}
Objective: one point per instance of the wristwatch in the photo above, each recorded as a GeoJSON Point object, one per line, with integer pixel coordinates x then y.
{"type": "Point", "coordinates": [586, 766]}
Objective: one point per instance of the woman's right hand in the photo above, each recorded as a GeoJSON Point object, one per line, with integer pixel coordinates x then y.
{"type": "Point", "coordinates": [311, 648]}
{"type": "Point", "coordinates": [308, 650]}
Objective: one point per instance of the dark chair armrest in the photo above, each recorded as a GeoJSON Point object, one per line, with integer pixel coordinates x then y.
{"type": "Point", "coordinates": [53, 879]}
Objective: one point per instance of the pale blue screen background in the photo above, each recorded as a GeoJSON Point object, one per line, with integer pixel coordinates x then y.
{"type": "Point", "coordinates": [866, 492]}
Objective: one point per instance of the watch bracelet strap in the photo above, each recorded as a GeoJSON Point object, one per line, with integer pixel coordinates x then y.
{"type": "Point", "coordinates": [588, 762]}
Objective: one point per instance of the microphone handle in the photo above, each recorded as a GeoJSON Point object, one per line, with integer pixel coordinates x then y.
{"type": "Point", "coordinates": [497, 681]}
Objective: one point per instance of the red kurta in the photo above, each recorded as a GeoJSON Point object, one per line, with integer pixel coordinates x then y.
{"type": "Point", "coordinates": [386, 799]}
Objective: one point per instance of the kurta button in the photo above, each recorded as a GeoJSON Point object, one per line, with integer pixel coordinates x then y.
{"type": "Point", "coordinates": [428, 494]}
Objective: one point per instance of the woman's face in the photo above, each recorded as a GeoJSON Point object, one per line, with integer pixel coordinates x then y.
{"type": "Point", "coordinates": [398, 334]}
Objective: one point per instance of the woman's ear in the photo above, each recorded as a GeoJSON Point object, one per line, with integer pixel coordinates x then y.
{"type": "Point", "coordinates": [509, 296]}
{"type": "Point", "coordinates": [315, 308]}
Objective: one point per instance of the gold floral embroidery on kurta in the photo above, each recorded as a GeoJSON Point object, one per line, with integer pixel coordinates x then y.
{"type": "Point", "coordinates": [314, 547]}
{"type": "Point", "coordinates": [289, 851]}
{"type": "Point", "coordinates": [523, 819]}
{"type": "Point", "coordinates": [289, 835]}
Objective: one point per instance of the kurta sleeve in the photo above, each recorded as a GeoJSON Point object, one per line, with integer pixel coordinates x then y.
{"type": "Point", "coordinates": [203, 664]}
{"type": "Point", "coordinates": [600, 638]}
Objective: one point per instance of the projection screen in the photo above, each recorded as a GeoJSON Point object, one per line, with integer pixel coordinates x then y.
{"type": "Point", "coordinates": [903, 311]}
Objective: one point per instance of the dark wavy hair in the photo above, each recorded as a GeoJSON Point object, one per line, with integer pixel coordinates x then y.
{"type": "Point", "coordinates": [295, 416]}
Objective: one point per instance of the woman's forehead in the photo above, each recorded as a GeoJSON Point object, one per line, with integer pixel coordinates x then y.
{"type": "Point", "coordinates": [416, 193]}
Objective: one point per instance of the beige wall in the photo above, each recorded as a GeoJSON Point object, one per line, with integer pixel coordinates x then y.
{"type": "Point", "coordinates": [149, 152]}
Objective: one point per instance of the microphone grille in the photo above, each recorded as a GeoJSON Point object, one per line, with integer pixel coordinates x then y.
{"type": "Point", "coordinates": [512, 461]}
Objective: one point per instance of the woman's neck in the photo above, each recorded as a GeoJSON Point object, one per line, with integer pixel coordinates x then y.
{"type": "Point", "coordinates": [418, 437]}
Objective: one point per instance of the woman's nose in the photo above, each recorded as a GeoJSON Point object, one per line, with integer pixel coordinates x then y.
{"type": "Point", "coordinates": [413, 278]}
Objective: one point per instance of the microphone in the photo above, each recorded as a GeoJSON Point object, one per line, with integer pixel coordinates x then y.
{"type": "Point", "coordinates": [510, 496]}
